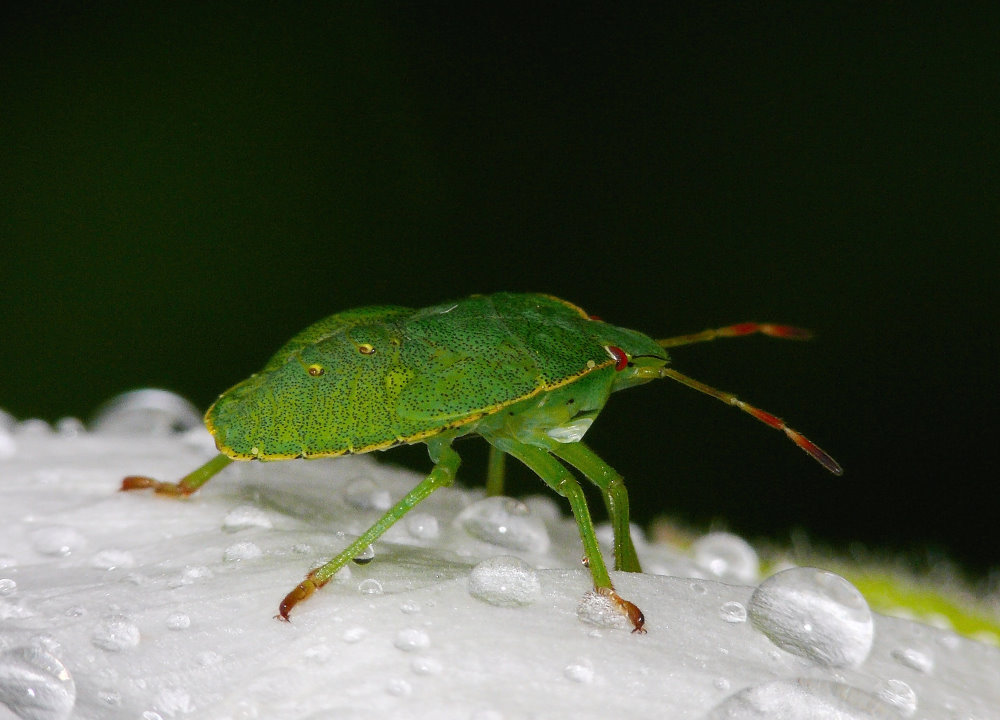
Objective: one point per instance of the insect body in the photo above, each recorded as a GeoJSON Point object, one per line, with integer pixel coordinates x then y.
{"type": "Point", "coordinates": [528, 373]}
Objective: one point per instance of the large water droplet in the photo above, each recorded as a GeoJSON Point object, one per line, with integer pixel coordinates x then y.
{"type": "Point", "coordinates": [245, 516]}
{"type": "Point", "coordinates": [116, 634]}
{"type": "Point", "coordinates": [728, 557]}
{"type": "Point", "coordinates": [146, 412]}
{"type": "Point", "coordinates": [364, 494]}
{"type": "Point", "coordinates": [800, 700]}
{"type": "Point", "coordinates": [57, 540]}
{"type": "Point", "coordinates": [505, 522]}
{"type": "Point", "coordinates": [35, 685]}
{"type": "Point", "coordinates": [504, 581]}
{"type": "Point", "coordinates": [900, 695]}
{"type": "Point", "coordinates": [814, 614]}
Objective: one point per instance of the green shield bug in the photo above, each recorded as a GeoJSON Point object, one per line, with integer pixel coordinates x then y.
{"type": "Point", "coordinates": [528, 373]}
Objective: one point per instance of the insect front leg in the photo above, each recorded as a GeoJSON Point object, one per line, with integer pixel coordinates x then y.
{"type": "Point", "coordinates": [443, 474]}
{"type": "Point", "coordinates": [562, 481]}
{"type": "Point", "coordinates": [615, 497]}
{"type": "Point", "coordinates": [185, 486]}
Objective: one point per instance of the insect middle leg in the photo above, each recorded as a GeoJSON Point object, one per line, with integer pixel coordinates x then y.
{"type": "Point", "coordinates": [442, 475]}
{"type": "Point", "coordinates": [615, 497]}
{"type": "Point", "coordinates": [562, 481]}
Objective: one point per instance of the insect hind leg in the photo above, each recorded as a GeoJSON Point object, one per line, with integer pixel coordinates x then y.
{"type": "Point", "coordinates": [442, 475]}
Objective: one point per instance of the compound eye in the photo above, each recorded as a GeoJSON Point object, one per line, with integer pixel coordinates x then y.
{"type": "Point", "coordinates": [619, 356]}
{"type": "Point", "coordinates": [315, 370]}
{"type": "Point", "coordinates": [366, 349]}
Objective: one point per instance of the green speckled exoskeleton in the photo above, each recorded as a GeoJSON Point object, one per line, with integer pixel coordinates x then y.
{"type": "Point", "coordinates": [528, 373]}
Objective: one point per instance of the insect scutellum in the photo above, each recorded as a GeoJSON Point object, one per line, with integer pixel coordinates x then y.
{"type": "Point", "coordinates": [528, 373]}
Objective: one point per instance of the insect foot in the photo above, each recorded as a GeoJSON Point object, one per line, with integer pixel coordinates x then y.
{"type": "Point", "coordinates": [303, 590]}
{"type": "Point", "coordinates": [140, 482]}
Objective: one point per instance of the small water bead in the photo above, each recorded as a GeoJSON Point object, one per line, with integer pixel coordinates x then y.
{"type": "Point", "coordinates": [8, 445]}
{"type": "Point", "coordinates": [115, 635]}
{"type": "Point", "coordinates": [814, 614]}
{"type": "Point", "coordinates": [7, 587]}
{"type": "Point", "coordinates": [174, 701]}
{"type": "Point", "coordinates": [208, 658]}
{"type": "Point", "coordinates": [365, 556]}
{"type": "Point", "coordinates": [35, 685]}
{"type": "Point", "coordinates": [411, 639]}
{"type": "Point", "coordinates": [111, 698]}
{"type": "Point", "coordinates": [70, 427]}
{"type": "Point", "coordinates": [399, 687]}
{"type": "Point", "coordinates": [245, 516]}
{"type": "Point", "coordinates": [422, 526]}
{"type": "Point", "coordinates": [733, 612]}
{"type": "Point", "coordinates": [371, 586]}
{"type": "Point", "coordinates": [33, 427]}
{"type": "Point", "coordinates": [57, 540]}
{"type": "Point", "coordinates": [581, 671]}
{"type": "Point", "coordinates": [238, 552]}
{"type": "Point", "coordinates": [410, 607]}
{"type": "Point", "coordinates": [178, 621]}
{"type": "Point", "coordinates": [364, 494]}
{"type": "Point", "coordinates": [728, 557]}
{"type": "Point", "coordinates": [354, 635]}
{"type": "Point", "coordinates": [505, 522]}
{"type": "Point", "coordinates": [504, 581]}
{"type": "Point", "coordinates": [900, 695]}
{"type": "Point", "coordinates": [423, 665]}
{"type": "Point", "coordinates": [915, 659]}
{"type": "Point", "coordinates": [7, 561]}
{"type": "Point", "coordinates": [112, 559]}
{"type": "Point", "coordinates": [146, 412]}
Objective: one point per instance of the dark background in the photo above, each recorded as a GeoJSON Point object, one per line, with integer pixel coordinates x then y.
{"type": "Point", "coordinates": [182, 188]}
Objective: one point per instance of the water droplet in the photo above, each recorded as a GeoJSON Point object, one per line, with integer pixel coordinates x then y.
{"type": "Point", "coordinates": [146, 412]}
{"type": "Point", "coordinates": [699, 588]}
{"type": "Point", "coordinates": [174, 701]}
{"type": "Point", "coordinates": [7, 587]}
{"type": "Point", "coordinates": [410, 639]}
{"type": "Point", "coordinates": [733, 612]}
{"type": "Point", "coordinates": [35, 685]}
{"type": "Point", "coordinates": [504, 581]}
{"type": "Point", "coordinates": [245, 516]}
{"type": "Point", "coordinates": [364, 494]}
{"type": "Point", "coordinates": [728, 557]}
{"type": "Point", "coordinates": [70, 427]}
{"type": "Point", "coordinates": [900, 695]}
{"type": "Point", "coordinates": [598, 609]}
{"type": "Point", "coordinates": [150, 715]}
{"type": "Point", "coordinates": [238, 552]}
{"type": "Point", "coordinates": [505, 522]}
{"type": "Point", "coordinates": [423, 665]}
{"type": "Point", "coordinates": [8, 445]}
{"type": "Point", "coordinates": [7, 561]}
{"type": "Point", "coordinates": [33, 427]}
{"type": "Point", "coordinates": [371, 586]}
{"type": "Point", "coordinates": [178, 621]}
{"type": "Point", "coordinates": [410, 607]}
{"type": "Point", "coordinates": [111, 698]}
{"type": "Point", "coordinates": [57, 540]}
{"type": "Point", "coordinates": [319, 654]}
{"type": "Point", "coordinates": [814, 614]}
{"type": "Point", "coordinates": [581, 671]}
{"type": "Point", "coordinates": [353, 635]}
{"type": "Point", "coordinates": [365, 556]}
{"type": "Point", "coordinates": [399, 687]}
{"type": "Point", "coordinates": [113, 559]}
{"type": "Point", "coordinates": [803, 698]}
{"type": "Point", "coordinates": [208, 658]}
{"type": "Point", "coordinates": [915, 659]}
{"type": "Point", "coordinates": [422, 526]}
{"type": "Point", "coordinates": [115, 634]}
{"type": "Point", "coordinates": [721, 683]}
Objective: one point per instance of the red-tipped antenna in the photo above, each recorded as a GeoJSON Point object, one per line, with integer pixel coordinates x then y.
{"type": "Point", "coordinates": [795, 436]}
{"type": "Point", "coordinates": [787, 332]}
